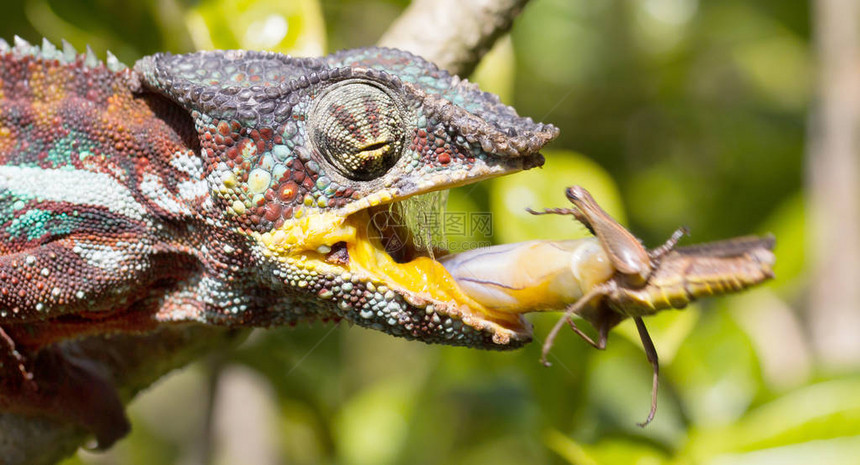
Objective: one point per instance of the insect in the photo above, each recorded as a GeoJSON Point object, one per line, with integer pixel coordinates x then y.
{"type": "Point", "coordinates": [646, 281]}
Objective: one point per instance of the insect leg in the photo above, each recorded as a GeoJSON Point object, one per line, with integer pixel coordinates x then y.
{"type": "Point", "coordinates": [669, 245]}
{"type": "Point", "coordinates": [601, 341]}
{"type": "Point", "coordinates": [582, 302]}
{"type": "Point", "coordinates": [651, 353]}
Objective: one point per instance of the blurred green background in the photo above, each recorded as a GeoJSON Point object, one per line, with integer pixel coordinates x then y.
{"type": "Point", "coordinates": [673, 112]}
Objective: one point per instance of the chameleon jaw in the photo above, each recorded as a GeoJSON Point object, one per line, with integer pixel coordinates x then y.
{"type": "Point", "coordinates": [350, 248]}
{"type": "Point", "coordinates": [424, 282]}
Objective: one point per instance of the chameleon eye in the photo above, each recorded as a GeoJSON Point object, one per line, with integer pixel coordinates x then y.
{"type": "Point", "coordinates": [358, 128]}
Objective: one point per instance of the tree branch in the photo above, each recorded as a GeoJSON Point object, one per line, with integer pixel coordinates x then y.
{"type": "Point", "coordinates": [131, 362]}
{"type": "Point", "coordinates": [834, 176]}
{"type": "Point", "coordinates": [454, 34]}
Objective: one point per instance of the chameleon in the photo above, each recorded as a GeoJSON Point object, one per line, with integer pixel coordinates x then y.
{"type": "Point", "coordinates": [228, 188]}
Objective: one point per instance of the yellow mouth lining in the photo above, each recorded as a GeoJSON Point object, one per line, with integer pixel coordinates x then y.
{"type": "Point", "coordinates": [307, 238]}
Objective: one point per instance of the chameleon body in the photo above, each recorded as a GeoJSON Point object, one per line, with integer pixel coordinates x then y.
{"type": "Point", "coordinates": [227, 188]}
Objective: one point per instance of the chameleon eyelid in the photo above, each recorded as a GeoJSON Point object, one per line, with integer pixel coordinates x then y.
{"type": "Point", "coordinates": [358, 127]}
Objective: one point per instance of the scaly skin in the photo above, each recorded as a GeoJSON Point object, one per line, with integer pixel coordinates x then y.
{"type": "Point", "coordinates": [227, 188]}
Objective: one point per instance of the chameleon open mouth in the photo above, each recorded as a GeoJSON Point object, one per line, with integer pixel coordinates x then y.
{"type": "Point", "coordinates": [375, 249]}
{"type": "Point", "coordinates": [389, 249]}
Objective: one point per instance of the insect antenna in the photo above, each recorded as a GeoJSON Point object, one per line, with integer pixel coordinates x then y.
{"type": "Point", "coordinates": [554, 211]}
{"type": "Point", "coordinates": [565, 211]}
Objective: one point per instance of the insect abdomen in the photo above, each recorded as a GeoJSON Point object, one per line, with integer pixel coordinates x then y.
{"type": "Point", "coordinates": [685, 275]}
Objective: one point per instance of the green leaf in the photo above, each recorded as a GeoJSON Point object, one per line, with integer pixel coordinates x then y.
{"type": "Point", "coordinates": [295, 27]}
{"type": "Point", "coordinates": [372, 426]}
{"type": "Point", "coordinates": [619, 396]}
{"type": "Point", "coordinates": [788, 225]}
{"type": "Point", "coordinates": [572, 451]}
{"type": "Point", "coordinates": [825, 410]}
{"type": "Point", "coordinates": [716, 371]}
{"type": "Point", "coordinates": [838, 451]}
{"type": "Point", "coordinates": [611, 451]}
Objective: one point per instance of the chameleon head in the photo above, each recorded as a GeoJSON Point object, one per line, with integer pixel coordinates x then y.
{"type": "Point", "coordinates": [300, 155]}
